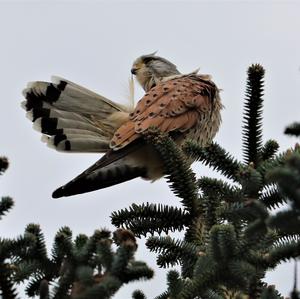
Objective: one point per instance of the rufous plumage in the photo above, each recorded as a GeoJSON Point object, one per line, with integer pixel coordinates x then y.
{"type": "Point", "coordinates": [75, 119]}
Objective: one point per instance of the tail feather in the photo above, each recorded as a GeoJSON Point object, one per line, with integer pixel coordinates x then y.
{"type": "Point", "coordinates": [58, 81]}
{"type": "Point", "coordinates": [53, 125]}
{"type": "Point", "coordinates": [76, 143]}
{"type": "Point", "coordinates": [73, 117]}
{"type": "Point", "coordinates": [100, 178]}
{"type": "Point", "coordinates": [48, 112]}
{"type": "Point", "coordinates": [113, 168]}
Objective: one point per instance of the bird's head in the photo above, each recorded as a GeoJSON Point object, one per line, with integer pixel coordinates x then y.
{"type": "Point", "coordinates": [151, 69]}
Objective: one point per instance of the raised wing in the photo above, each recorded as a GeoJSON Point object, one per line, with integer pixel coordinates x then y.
{"type": "Point", "coordinates": [174, 105]}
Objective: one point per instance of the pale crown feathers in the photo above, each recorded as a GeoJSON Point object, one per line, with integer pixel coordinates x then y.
{"type": "Point", "coordinates": [151, 69]}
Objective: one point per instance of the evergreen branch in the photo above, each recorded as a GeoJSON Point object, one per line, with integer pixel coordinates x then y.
{"type": "Point", "coordinates": [7, 289]}
{"type": "Point", "coordinates": [216, 157]}
{"type": "Point", "coordinates": [138, 294]}
{"type": "Point", "coordinates": [105, 254]}
{"type": "Point", "coordinates": [285, 221]}
{"type": "Point", "coordinates": [283, 253]}
{"type": "Point", "coordinates": [251, 181]}
{"type": "Point", "coordinates": [241, 273]}
{"type": "Point", "coordinates": [196, 232]}
{"type": "Point", "coordinates": [179, 174]}
{"type": "Point", "coordinates": [220, 189]}
{"type": "Point", "coordinates": [137, 271]}
{"type": "Point", "coordinates": [255, 230]}
{"type": "Point", "coordinates": [91, 245]}
{"type": "Point", "coordinates": [248, 211]}
{"type": "Point", "coordinates": [269, 150]}
{"type": "Point", "coordinates": [81, 241]}
{"type": "Point", "coordinates": [17, 247]}
{"type": "Point", "coordinates": [168, 259]}
{"type": "Point", "coordinates": [252, 120]}
{"type": "Point", "coordinates": [66, 278]}
{"type": "Point", "coordinates": [256, 287]}
{"type": "Point", "coordinates": [223, 242]}
{"type": "Point", "coordinates": [3, 164]}
{"type": "Point", "coordinates": [255, 257]}
{"type": "Point", "coordinates": [271, 197]}
{"type": "Point", "coordinates": [288, 178]}
{"type": "Point", "coordinates": [270, 293]}
{"type": "Point", "coordinates": [164, 295]}
{"type": "Point", "coordinates": [253, 248]}
{"type": "Point", "coordinates": [38, 250]}
{"type": "Point", "coordinates": [175, 284]}
{"type": "Point", "coordinates": [196, 235]}
{"type": "Point", "coordinates": [62, 245]}
{"type": "Point", "coordinates": [6, 203]}
{"type": "Point", "coordinates": [84, 274]}
{"type": "Point", "coordinates": [293, 129]}
{"type": "Point", "coordinates": [284, 238]}
{"type": "Point", "coordinates": [123, 255]}
{"type": "Point", "coordinates": [172, 250]}
{"type": "Point", "coordinates": [36, 270]}
{"type": "Point", "coordinates": [24, 269]}
{"type": "Point", "coordinates": [151, 218]}
{"type": "Point", "coordinates": [205, 277]}
{"type": "Point", "coordinates": [278, 161]}
{"type": "Point", "coordinates": [106, 289]}
{"type": "Point", "coordinates": [86, 268]}
{"type": "Point", "coordinates": [34, 284]}
{"type": "Point", "coordinates": [210, 207]}
{"type": "Point", "coordinates": [236, 212]}
{"type": "Point", "coordinates": [80, 247]}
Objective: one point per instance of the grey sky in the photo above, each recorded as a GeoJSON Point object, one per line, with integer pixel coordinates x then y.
{"type": "Point", "coordinates": [94, 44]}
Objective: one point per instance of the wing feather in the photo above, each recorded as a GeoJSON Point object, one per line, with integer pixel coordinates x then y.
{"type": "Point", "coordinates": [177, 104]}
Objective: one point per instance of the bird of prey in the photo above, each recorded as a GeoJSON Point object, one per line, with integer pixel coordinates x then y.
{"type": "Point", "coordinates": [75, 119]}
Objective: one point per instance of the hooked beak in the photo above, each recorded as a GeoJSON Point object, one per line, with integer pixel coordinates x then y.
{"type": "Point", "coordinates": [133, 71]}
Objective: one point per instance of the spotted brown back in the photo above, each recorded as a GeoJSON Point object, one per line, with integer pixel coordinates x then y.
{"type": "Point", "coordinates": [176, 104]}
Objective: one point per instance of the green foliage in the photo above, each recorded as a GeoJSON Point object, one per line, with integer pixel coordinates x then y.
{"type": "Point", "coordinates": [232, 236]}
{"type": "Point", "coordinates": [138, 295]}
{"type": "Point", "coordinates": [172, 252]}
{"type": "Point", "coordinates": [179, 175]}
{"type": "Point", "coordinates": [214, 156]}
{"type": "Point", "coordinates": [293, 129]}
{"type": "Point", "coordinates": [87, 267]}
{"type": "Point", "coordinates": [3, 164]}
{"type": "Point", "coordinates": [10, 249]}
{"type": "Point", "coordinates": [151, 218]}
{"type": "Point", "coordinates": [253, 106]}
{"type": "Point", "coordinates": [6, 204]}
{"type": "Point", "coordinates": [269, 149]}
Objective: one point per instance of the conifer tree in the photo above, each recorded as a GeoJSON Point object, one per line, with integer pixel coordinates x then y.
{"type": "Point", "coordinates": [87, 267]}
{"type": "Point", "coordinates": [232, 233]}
{"type": "Point", "coordinates": [231, 237]}
{"type": "Point", "coordinates": [10, 248]}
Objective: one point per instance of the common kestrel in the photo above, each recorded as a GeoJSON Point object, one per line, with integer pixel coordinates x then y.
{"type": "Point", "coordinates": [75, 119]}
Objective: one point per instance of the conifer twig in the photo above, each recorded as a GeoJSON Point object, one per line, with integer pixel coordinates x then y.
{"type": "Point", "coordinates": [252, 128]}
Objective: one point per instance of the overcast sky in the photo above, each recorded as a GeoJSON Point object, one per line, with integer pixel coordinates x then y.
{"type": "Point", "coordinates": [94, 44]}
